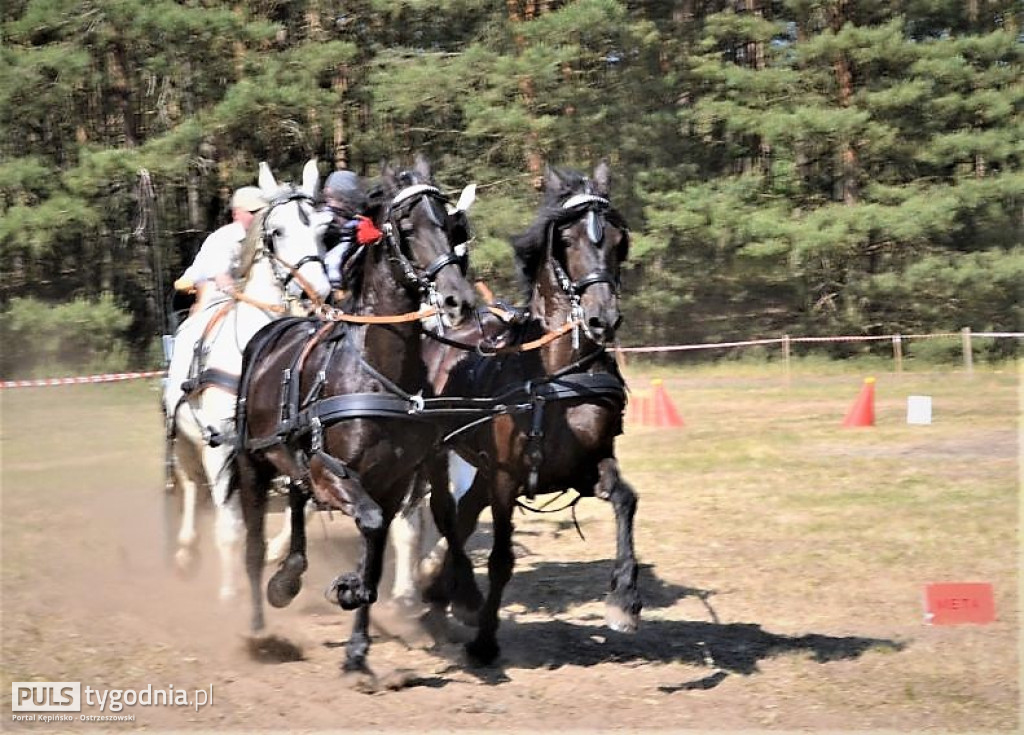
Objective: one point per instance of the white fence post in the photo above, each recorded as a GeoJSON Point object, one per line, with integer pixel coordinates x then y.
{"type": "Point", "coordinates": [785, 355]}
{"type": "Point", "coordinates": [965, 339]}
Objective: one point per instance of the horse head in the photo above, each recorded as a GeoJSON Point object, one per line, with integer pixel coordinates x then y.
{"type": "Point", "coordinates": [428, 242]}
{"type": "Point", "coordinates": [291, 232]}
{"type": "Point", "coordinates": [584, 241]}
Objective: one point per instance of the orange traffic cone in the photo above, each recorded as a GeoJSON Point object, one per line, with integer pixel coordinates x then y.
{"type": "Point", "coordinates": [662, 408]}
{"type": "Point", "coordinates": [638, 409]}
{"type": "Point", "coordinates": [862, 412]}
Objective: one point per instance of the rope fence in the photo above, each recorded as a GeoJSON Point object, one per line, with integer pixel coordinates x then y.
{"type": "Point", "coordinates": [966, 336]}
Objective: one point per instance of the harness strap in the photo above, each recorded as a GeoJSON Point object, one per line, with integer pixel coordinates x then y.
{"type": "Point", "coordinates": [333, 409]}
{"type": "Point", "coordinates": [216, 319]}
{"type": "Point", "coordinates": [208, 377]}
{"type": "Point", "coordinates": [211, 377]}
{"type": "Point", "coordinates": [584, 385]}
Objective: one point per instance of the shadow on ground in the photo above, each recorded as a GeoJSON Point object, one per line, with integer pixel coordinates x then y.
{"type": "Point", "coordinates": [553, 588]}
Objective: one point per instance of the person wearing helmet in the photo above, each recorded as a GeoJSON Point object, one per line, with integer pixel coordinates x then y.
{"type": "Point", "coordinates": [211, 270]}
{"type": "Point", "coordinates": [345, 198]}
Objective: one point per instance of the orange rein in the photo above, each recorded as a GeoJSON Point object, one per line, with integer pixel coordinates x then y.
{"type": "Point", "coordinates": [332, 314]}
{"type": "Point", "coordinates": [306, 286]}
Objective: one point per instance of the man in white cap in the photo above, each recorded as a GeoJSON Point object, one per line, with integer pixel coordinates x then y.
{"type": "Point", "coordinates": [212, 266]}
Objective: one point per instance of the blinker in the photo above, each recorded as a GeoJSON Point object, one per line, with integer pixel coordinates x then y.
{"type": "Point", "coordinates": [595, 228]}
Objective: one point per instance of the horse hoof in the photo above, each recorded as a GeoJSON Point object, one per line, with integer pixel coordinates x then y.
{"type": "Point", "coordinates": [360, 678]}
{"type": "Point", "coordinates": [621, 621]}
{"type": "Point", "coordinates": [482, 653]}
{"type": "Point", "coordinates": [186, 562]}
{"type": "Point", "coordinates": [350, 592]}
{"type": "Point", "coordinates": [282, 589]}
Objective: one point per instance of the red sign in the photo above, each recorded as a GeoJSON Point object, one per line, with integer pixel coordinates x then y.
{"type": "Point", "coordinates": [952, 603]}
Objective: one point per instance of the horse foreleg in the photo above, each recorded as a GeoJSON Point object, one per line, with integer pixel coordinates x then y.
{"type": "Point", "coordinates": [252, 494]}
{"type": "Point", "coordinates": [371, 567]}
{"type": "Point", "coordinates": [455, 581]}
{"type": "Point", "coordinates": [344, 491]}
{"type": "Point", "coordinates": [279, 546]}
{"type": "Point", "coordinates": [186, 557]}
{"type": "Point", "coordinates": [623, 604]}
{"type": "Point", "coordinates": [228, 525]}
{"type": "Point", "coordinates": [407, 530]}
{"type": "Point", "coordinates": [484, 648]}
{"type": "Point", "coordinates": [287, 580]}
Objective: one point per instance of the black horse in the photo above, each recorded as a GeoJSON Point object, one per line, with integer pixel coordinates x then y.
{"type": "Point", "coordinates": [569, 393]}
{"type": "Point", "coordinates": [334, 403]}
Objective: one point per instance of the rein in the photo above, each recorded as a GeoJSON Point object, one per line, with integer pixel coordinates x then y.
{"type": "Point", "coordinates": [329, 313]}
{"type": "Point", "coordinates": [505, 315]}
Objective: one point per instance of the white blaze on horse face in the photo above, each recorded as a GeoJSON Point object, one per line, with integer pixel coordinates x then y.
{"type": "Point", "coordinates": [297, 230]}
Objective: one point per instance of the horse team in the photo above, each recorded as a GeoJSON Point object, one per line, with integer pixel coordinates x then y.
{"type": "Point", "coordinates": [362, 405]}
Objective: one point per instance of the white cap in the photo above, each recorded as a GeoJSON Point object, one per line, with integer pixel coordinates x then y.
{"type": "Point", "coordinates": [249, 198]}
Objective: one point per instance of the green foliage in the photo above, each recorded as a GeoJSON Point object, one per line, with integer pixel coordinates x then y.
{"type": "Point", "coordinates": [799, 166]}
{"type": "Point", "coordinates": [51, 340]}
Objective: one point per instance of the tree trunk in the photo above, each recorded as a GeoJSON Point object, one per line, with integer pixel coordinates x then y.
{"type": "Point", "coordinates": [340, 133]}
{"type": "Point", "coordinates": [848, 161]}
{"type": "Point", "coordinates": [117, 62]}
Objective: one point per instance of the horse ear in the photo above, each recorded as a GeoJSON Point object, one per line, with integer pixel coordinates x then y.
{"type": "Point", "coordinates": [422, 166]}
{"type": "Point", "coordinates": [602, 177]}
{"type": "Point", "coordinates": [552, 181]}
{"type": "Point", "coordinates": [387, 174]}
{"type": "Point", "coordinates": [310, 177]}
{"type": "Point", "coordinates": [466, 199]}
{"type": "Point", "coordinates": [266, 179]}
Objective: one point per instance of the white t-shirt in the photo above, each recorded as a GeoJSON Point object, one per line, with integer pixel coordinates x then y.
{"type": "Point", "coordinates": [218, 254]}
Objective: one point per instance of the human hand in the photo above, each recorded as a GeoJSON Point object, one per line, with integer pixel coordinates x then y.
{"type": "Point", "coordinates": [225, 283]}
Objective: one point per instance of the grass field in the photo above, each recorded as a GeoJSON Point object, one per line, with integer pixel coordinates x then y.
{"type": "Point", "coordinates": [784, 557]}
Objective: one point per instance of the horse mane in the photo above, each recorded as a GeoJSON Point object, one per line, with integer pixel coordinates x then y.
{"type": "Point", "coordinates": [530, 246]}
{"type": "Point", "coordinates": [251, 243]}
{"type": "Point", "coordinates": [354, 266]}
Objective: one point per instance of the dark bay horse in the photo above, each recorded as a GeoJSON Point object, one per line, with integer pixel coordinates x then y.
{"type": "Point", "coordinates": [334, 403]}
{"type": "Point", "coordinates": [557, 364]}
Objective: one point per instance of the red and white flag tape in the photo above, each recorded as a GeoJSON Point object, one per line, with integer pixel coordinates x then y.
{"type": "Point", "coordinates": [107, 378]}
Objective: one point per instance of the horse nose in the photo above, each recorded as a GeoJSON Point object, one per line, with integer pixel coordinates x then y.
{"type": "Point", "coordinates": [602, 327]}
{"type": "Point", "coordinates": [457, 310]}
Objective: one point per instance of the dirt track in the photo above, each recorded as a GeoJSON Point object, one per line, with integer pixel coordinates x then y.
{"type": "Point", "coordinates": [734, 637]}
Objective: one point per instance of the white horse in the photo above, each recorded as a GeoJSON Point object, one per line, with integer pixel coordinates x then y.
{"type": "Point", "coordinates": [282, 258]}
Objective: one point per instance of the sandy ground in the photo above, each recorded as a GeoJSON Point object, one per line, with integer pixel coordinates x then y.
{"type": "Point", "coordinates": [728, 642]}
